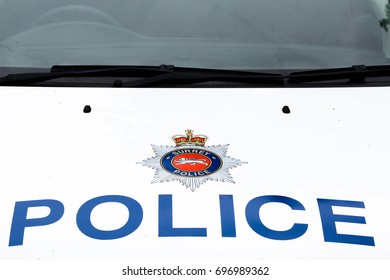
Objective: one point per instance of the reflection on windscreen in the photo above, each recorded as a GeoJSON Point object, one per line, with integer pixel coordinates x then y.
{"type": "Point", "coordinates": [243, 34]}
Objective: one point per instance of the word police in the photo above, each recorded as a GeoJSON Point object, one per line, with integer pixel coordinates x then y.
{"type": "Point", "coordinates": [20, 220]}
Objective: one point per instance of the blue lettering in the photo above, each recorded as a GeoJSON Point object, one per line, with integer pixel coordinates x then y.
{"type": "Point", "coordinates": [165, 221]}
{"type": "Point", "coordinates": [254, 221]}
{"type": "Point", "coordinates": [228, 223]}
{"type": "Point", "coordinates": [20, 221]}
{"type": "Point", "coordinates": [329, 219]}
{"type": "Point", "coordinates": [84, 217]}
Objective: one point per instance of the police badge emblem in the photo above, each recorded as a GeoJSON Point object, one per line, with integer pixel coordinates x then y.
{"type": "Point", "coordinates": [191, 162]}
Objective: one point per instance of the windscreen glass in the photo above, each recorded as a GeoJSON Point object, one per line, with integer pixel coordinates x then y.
{"type": "Point", "coordinates": [225, 34]}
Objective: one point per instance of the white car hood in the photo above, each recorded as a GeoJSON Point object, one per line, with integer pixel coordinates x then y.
{"type": "Point", "coordinates": [333, 148]}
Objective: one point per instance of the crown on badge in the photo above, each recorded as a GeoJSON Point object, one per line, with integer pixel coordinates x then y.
{"type": "Point", "coordinates": [189, 139]}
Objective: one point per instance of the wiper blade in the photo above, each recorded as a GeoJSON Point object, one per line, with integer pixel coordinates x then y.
{"type": "Point", "coordinates": [151, 75]}
{"type": "Point", "coordinates": [186, 76]}
{"type": "Point", "coordinates": [356, 73]}
{"type": "Point", "coordinates": [57, 72]}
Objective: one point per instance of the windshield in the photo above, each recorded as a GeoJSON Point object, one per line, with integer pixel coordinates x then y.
{"type": "Point", "coordinates": [224, 34]}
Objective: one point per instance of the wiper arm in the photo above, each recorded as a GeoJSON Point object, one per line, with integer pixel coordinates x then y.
{"type": "Point", "coordinates": [57, 72]}
{"type": "Point", "coordinates": [151, 75]}
{"type": "Point", "coordinates": [356, 73]}
{"type": "Point", "coordinates": [186, 76]}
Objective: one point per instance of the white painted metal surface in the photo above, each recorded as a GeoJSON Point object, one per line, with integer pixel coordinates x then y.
{"type": "Point", "coordinates": [335, 145]}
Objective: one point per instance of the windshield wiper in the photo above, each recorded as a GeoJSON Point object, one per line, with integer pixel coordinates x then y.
{"type": "Point", "coordinates": [356, 73]}
{"type": "Point", "coordinates": [148, 75]}
{"type": "Point", "coordinates": [56, 72]}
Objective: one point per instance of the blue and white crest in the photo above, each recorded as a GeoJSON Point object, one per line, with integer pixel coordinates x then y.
{"type": "Point", "coordinates": [191, 162]}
